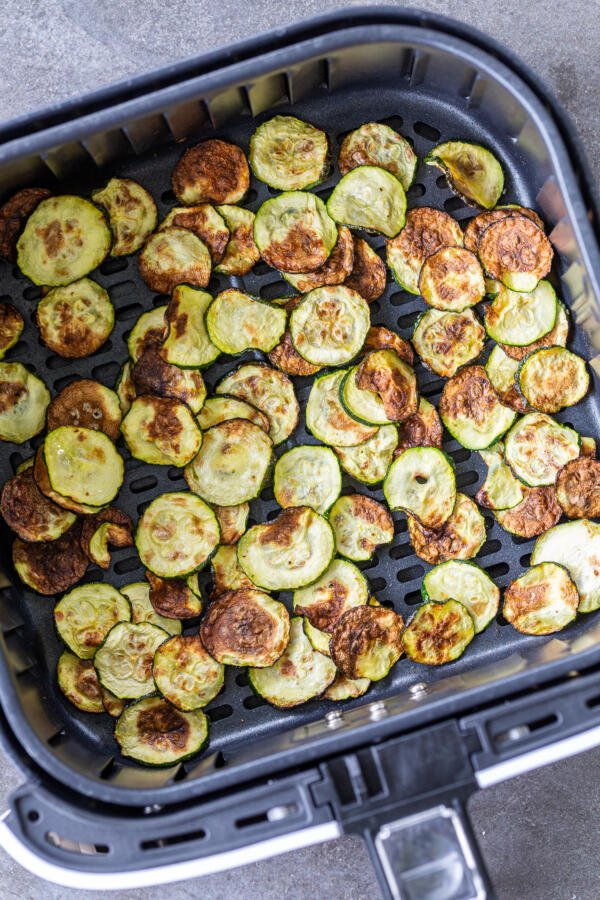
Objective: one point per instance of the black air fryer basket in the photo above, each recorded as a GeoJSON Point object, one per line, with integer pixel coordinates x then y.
{"type": "Point", "coordinates": [399, 763]}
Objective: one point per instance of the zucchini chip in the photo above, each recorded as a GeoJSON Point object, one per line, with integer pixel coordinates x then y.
{"type": "Point", "coordinates": [109, 528]}
{"type": "Point", "coordinates": [186, 341]}
{"type": "Point", "coordinates": [375, 144]}
{"type": "Point", "coordinates": [227, 574]}
{"type": "Point", "coordinates": [370, 461]}
{"type": "Point", "coordinates": [538, 510]}
{"type": "Point", "coordinates": [461, 536]}
{"type": "Point", "coordinates": [360, 526]}
{"type": "Point", "coordinates": [42, 479]}
{"type": "Point", "coordinates": [541, 601]}
{"type": "Point", "coordinates": [576, 546]}
{"type": "Point", "coordinates": [173, 256]}
{"type": "Point", "coordinates": [294, 232]}
{"type": "Point", "coordinates": [83, 465]}
{"type": "Point", "coordinates": [232, 521]}
{"type": "Point", "coordinates": [426, 231]}
{"type": "Point", "coordinates": [112, 705]}
{"type": "Point", "coordinates": [24, 399]}
{"type": "Point", "coordinates": [522, 318]}
{"type": "Point", "coordinates": [368, 277]}
{"type": "Point", "coordinates": [516, 252]}
{"type": "Point", "coordinates": [588, 447]}
{"type": "Point", "coordinates": [270, 391]}
{"type": "Point", "coordinates": [382, 389]}
{"type": "Point", "coordinates": [241, 253]}
{"type": "Point", "coordinates": [421, 482]}
{"type": "Point", "coordinates": [557, 337]}
{"type": "Point", "coordinates": [342, 587]}
{"type": "Point", "coordinates": [473, 172]}
{"type": "Point", "coordinates": [452, 279]}
{"type": "Point", "coordinates": [232, 464]}
{"type": "Point", "coordinates": [246, 628]}
{"type": "Point", "coordinates": [213, 171]}
{"type": "Point", "coordinates": [307, 476]}
{"type": "Point", "coordinates": [329, 325]}
{"type": "Point", "coordinates": [32, 516]}
{"type": "Point", "coordinates": [152, 375]}
{"type": "Point", "coordinates": [500, 490]}
{"type": "Point", "coordinates": [286, 358]}
{"type": "Point", "coordinates": [88, 404]}
{"type": "Point", "coordinates": [343, 688]}
{"type": "Point", "coordinates": [75, 320]}
{"type": "Point", "coordinates": [131, 213]}
{"type": "Point", "coordinates": [205, 222]}
{"type": "Point", "coordinates": [422, 429]}
{"type": "Point", "coordinates": [327, 419]}
{"type": "Point", "coordinates": [78, 681]}
{"type": "Point", "coordinates": [300, 674]}
{"type": "Point", "coordinates": [124, 660]}
{"type": "Point", "coordinates": [173, 598]}
{"type": "Point", "coordinates": [50, 567]}
{"type": "Point", "coordinates": [13, 215]}
{"type": "Point", "coordinates": [288, 553]}
{"type": "Point", "coordinates": [155, 733]}
{"type": "Point", "coordinates": [176, 535]}
{"type": "Point", "coordinates": [371, 198]}
{"type": "Point", "coordinates": [366, 642]}
{"type": "Point", "coordinates": [471, 410]}
{"type": "Point", "coordinates": [223, 409]}
{"type": "Point", "coordinates": [537, 447]}
{"type": "Point", "coordinates": [289, 154]}
{"type": "Point", "coordinates": [11, 327]}
{"type": "Point", "coordinates": [64, 239]}
{"type": "Point", "coordinates": [85, 615]}
{"type": "Point", "coordinates": [552, 378]}
{"type": "Point", "coordinates": [185, 674]}
{"type": "Point", "coordinates": [149, 331]}
{"type": "Point", "coordinates": [477, 225]}
{"type": "Point", "coordinates": [142, 610]}
{"type": "Point", "coordinates": [438, 633]}
{"type": "Point", "coordinates": [577, 488]}
{"type": "Point", "coordinates": [334, 271]}
{"type": "Point", "coordinates": [445, 341]}
{"type": "Point", "coordinates": [236, 322]}
{"type": "Point", "coordinates": [466, 582]}
{"type": "Point", "coordinates": [502, 372]}
{"type": "Point", "coordinates": [161, 431]}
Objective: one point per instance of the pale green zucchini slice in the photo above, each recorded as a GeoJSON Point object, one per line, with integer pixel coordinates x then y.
{"type": "Point", "coordinates": [222, 409]}
{"type": "Point", "coordinates": [334, 271]}
{"type": "Point", "coordinates": [185, 674]}
{"type": "Point", "coordinates": [542, 601]}
{"type": "Point", "coordinates": [557, 337]}
{"type": "Point", "coordinates": [289, 154]}
{"type": "Point", "coordinates": [226, 571]}
{"type": "Point", "coordinates": [24, 399]}
{"type": "Point", "coordinates": [241, 253]}
{"type": "Point", "coordinates": [11, 327]}
{"type": "Point", "coordinates": [452, 279]}
{"type": "Point", "coordinates": [371, 198]}
{"type": "Point", "coordinates": [152, 375]}
{"type": "Point", "coordinates": [576, 546]}
{"type": "Point", "coordinates": [186, 342]}
{"type": "Point", "coordinates": [360, 525]}
{"type": "Point", "coordinates": [426, 231]}
{"type": "Point", "coordinates": [83, 465]}
{"type": "Point", "coordinates": [205, 222]}
{"type": "Point", "coordinates": [445, 341]}
{"type": "Point", "coordinates": [232, 521]}
{"type": "Point", "coordinates": [552, 378]}
{"type": "Point", "coordinates": [466, 582]}
{"type": "Point", "coordinates": [500, 490]}
{"type": "Point", "coordinates": [150, 329]}
{"type": "Point", "coordinates": [538, 510]}
{"type": "Point", "coordinates": [131, 213]}
{"type": "Point", "coordinates": [343, 688]}
{"type": "Point", "coordinates": [294, 232]}
{"type": "Point", "coordinates": [142, 610]}
{"type": "Point", "coordinates": [477, 225]}
{"type": "Point", "coordinates": [42, 479]}
{"type": "Point", "coordinates": [578, 488]}
{"type": "Point", "coordinates": [176, 535]}
{"type": "Point", "coordinates": [236, 322]}
{"type": "Point", "coordinates": [78, 681]}
{"type": "Point", "coordinates": [342, 587]}
{"type": "Point", "coordinates": [87, 403]}
{"type": "Point", "coordinates": [421, 482]}
{"type": "Point", "coordinates": [307, 476]}
{"type": "Point", "coordinates": [471, 410]}
{"type": "Point", "coordinates": [245, 628]}
{"type": "Point", "coordinates": [124, 661]}
{"type": "Point", "coordinates": [212, 171]}
{"type": "Point", "coordinates": [375, 144]}
{"type": "Point", "coordinates": [369, 462]}
{"type": "Point", "coordinates": [174, 256]}
{"type": "Point", "coordinates": [461, 536]}
{"type": "Point", "coordinates": [473, 172]}
{"type": "Point", "coordinates": [86, 614]}
{"type": "Point", "coordinates": [522, 318]}
{"type": "Point", "coordinates": [438, 633]}
{"type": "Point", "coordinates": [155, 733]}
{"type": "Point", "coordinates": [537, 447]}
{"type": "Point", "coordinates": [50, 567]}
{"type": "Point", "coordinates": [75, 320]}
{"type": "Point", "coordinates": [29, 513]}
{"type": "Point", "coordinates": [382, 389]}
{"type": "Point", "coordinates": [502, 370]}
{"type": "Point", "coordinates": [366, 642]}
{"type": "Point", "coordinates": [270, 391]}
{"type": "Point", "coordinates": [516, 252]}
{"type": "Point", "coordinates": [161, 431]}
{"type": "Point", "coordinates": [327, 419]}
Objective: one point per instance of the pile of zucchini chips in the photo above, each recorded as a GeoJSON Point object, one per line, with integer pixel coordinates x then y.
{"type": "Point", "coordinates": [125, 651]}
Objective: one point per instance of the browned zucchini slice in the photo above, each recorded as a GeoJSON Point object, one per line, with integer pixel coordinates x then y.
{"type": "Point", "coordinates": [286, 358]}
{"type": "Point", "coordinates": [542, 601]}
{"type": "Point", "coordinates": [155, 733]}
{"type": "Point", "coordinates": [460, 537]}
{"type": "Point", "coordinates": [552, 378]}
{"type": "Point", "coordinates": [480, 222]}
{"type": "Point", "coordinates": [381, 338]}
{"type": "Point", "coordinates": [452, 279]}
{"type": "Point", "coordinates": [426, 231]}
{"type": "Point", "coordinates": [555, 338]}
{"type": "Point", "coordinates": [422, 429]}
{"type": "Point", "coordinates": [173, 598]}
{"type": "Point", "coordinates": [232, 521]}
{"type": "Point", "coordinates": [185, 674]}
{"type": "Point", "coordinates": [376, 144]}
{"type": "Point", "coordinates": [50, 567]}
{"type": "Point", "coordinates": [473, 172]}
{"type": "Point", "coordinates": [31, 515]}
{"type": "Point", "coordinates": [109, 528]}
{"type": "Point", "coordinates": [78, 681]}
{"type": "Point", "coordinates": [516, 252]}
{"type": "Point", "coordinates": [75, 320]}
{"type": "Point", "coordinates": [246, 628]}
{"type": "Point", "coordinates": [367, 641]}
{"type": "Point", "coordinates": [340, 588]}
{"type": "Point", "coordinates": [241, 253]}
{"type": "Point", "coordinates": [161, 431]}
{"type": "Point", "coordinates": [205, 222]}
{"type": "Point", "coordinates": [471, 410]}
{"type": "Point", "coordinates": [270, 391]}
{"type": "Point", "coordinates": [538, 511]}
{"type": "Point", "coordinates": [333, 271]}
{"type": "Point", "coordinates": [588, 446]}
{"type": "Point", "coordinates": [343, 688]}
{"type": "Point", "coordinates": [86, 403]}
{"type": "Point", "coordinates": [152, 375]}
{"type": "Point", "coordinates": [294, 232]}
{"type": "Point", "coordinates": [11, 327]}
{"type": "Point", "coordinates": [445, 340]}
{"type": "Point", "coordinates": [131, 212]}
{"type": "Point", "coordinates": [381, 389]}
{"type": "Point", "coordinates": [578, 488]}
{"type": "Point", "coordinates": [227, 572]}
{"type": "Point", "coordinates": [438, 633]}
{"type": "Point", "coordinates": [149, 331]}
{"type": "Point", "coordinates": [368, 277]}
{"type": "Point", "coordinates": [173, 256]}
{"type": "Point", "coordinates": [24, 399]}
{"type": "Point", "coordinates": [13, 215]}
{"type": "Point", "coordinates": [214, 171]}
{"type": "Point", "coordinates": [360, 525]}
{"type": "Point", "coordinates": [224, 408]}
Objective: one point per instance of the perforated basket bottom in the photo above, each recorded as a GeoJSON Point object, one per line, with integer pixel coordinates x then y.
{"type": "Point", "coordinates": [237, 716]}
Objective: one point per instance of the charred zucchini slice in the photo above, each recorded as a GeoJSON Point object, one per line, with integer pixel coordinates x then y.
{"type": "Point", "coordinates": [300, 674]}
{"type": "Point", "coordinates": [541, 601]}
{"type": "Point", "coordinates": [502, 372]}
{"type": "Point", "coordinates": [187, 342]}
{"type": "Point", "coordinates": [155, 733]}
{"type": "Point", "coordinates": [31, 515]}
{"type": "Point", "coordinates": [329, 325]}
{"type": "Point", "coordinates": [480, 222]}
{"type": "Point", "coordinates": [340, 588]}
{"type": "Point", "coordinates": [289, 154]}
{"type": "Point", "coordinates": [205, 222]}
{"type": "Point", "coordinates": [366, 642]}
{"type": "Point", "coordinates": [294, 232]}
{"type": "Point", "coordinates": [500, 490]}
{"type": "Point", "coordinates": [79, 683]}
{"type": "Point", "coordinates": [246, 628]}
{"type": "Point", "coordinates": [375, 144]}
{"type": "Point", "coordinates": [86, 403]}
{"type": "Point", "coordinates": [64, 238]}
{"type": "Point", "coordinates": [24, 399]}
{"type": "Point", "coordinates": [460, 537]}
{"type": "Point", "coordinates": [236, 322]}
{"type": "Point", "coordinates": [307, 476]}
{"type": "Point", "coordinates": [327, 419]}
{"type": "Point", "coordinates": [185, 674]}
{"type": "Point", "coordinates": [557, 337]}
{"type": "Point", "coordinates": [241, 253]}
{"type": "Point", "coordinates": [438, 633]}
{"type": "Point", "coordinates": [471, 410]}
{"type": "Point", "coordinates": [131, 213]}
{"type": "Point", "coordinates": [537, 447]}
{"type": "Point", "coordinates": [232, 521]}
{"type": "Point", "coordinates": [333, 271]}
{"type": "Point", "coordinates": [380, 390]}
{"type": "Point", "coordinates": [142, 610]}
{"type": "Point", "coordinates": [368, 276]}
{"type": "Point", "coordinates": [422, 429]}
{"type": "Point", "coordinates": [149, 331]}
{"type": "Point", "coordinates": [161, 431]}
{"type": "Point", "coordinates": [522, 318]}
{"type": "Point", "coordinates": [175, 598]}
{"type": "Point", "coordinates": [286, 358]}
{"type": "Point", "coordinates": [578, 488]}
{"type": "Point", "coordinates": [473, 172]}
{"type": "Point", "coordinates": [109, 528]}
{"type": "Point", "coordinates": [538, 510]}
{"type": "Point", "coordinates": [552, 378]}
{"type": "Point", "coordinates": [75, 320]}
{"type": "Point", "coordinates": [360, 525]}
{"type": "Point", "coordinates": [83, 465]}
{"type": "Point", "coordinates": [369, 197]}
{"type": "Point", "coordinates": [426, 231]}
{"type": "Point", "coordinates": [421, 482]}
{"type": "Point", "coordinates": [13, 215]}
{"type": "Point", "coordinates": [445, 341]}
{"type": "Point", "coordinates": [288, 553]}
{"type": "Point", "coordinates": [343, 688]}
{"type": "Point", "coordinates": [452, 279]}
{"type": "Point", "coordinates": [152, 375]}
{"type": "Point", "coordinates": [86, 614]}
{"type": "Point", "coordinates": [49, 567]}
{"type": "Point", "coordinates": [223, 409]}
{"type": "Point", "coordinates": [124, 661]}
{"type": "Point", "coordinates": [227, 574]}
{"type": "Point", "coordinates": [466, 582]}
{"type": "Point", "coordinates": [576, 546]}
{"type": "Point", "coordinates": [173, 256]}
{"type": "Point", "coordinates": [516, 252]}
{"type": "Point", "coordinates": [369, 462]}
{"type": "Point", "coordinates": [270, 391]}
{"type": "Point", "coordinates": [176, 535]}
{"type": "Point", "coordinates": [213, 171]}
{"type": "Point", "coordinates": [11, 327]}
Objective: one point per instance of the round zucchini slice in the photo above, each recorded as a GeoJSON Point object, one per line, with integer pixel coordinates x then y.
{"type": "Point", "coordinates": [452, 279]}
{"type": "Point", "coordinates": [329, 325]}
{"type": "Point", "coordinates": [142, 610]}
{"type": "Point", "coordinates": [289, 154]}
{"type": "Point", "coordinates": [422, 429]}
{"type": "Point", "coordinates": [270, 391]}
{"type": "Point", "coordinates": [368, 277]}
{"type": "Point", "coordinates": [542, 601]}
{"type": "Point", "coordinates": [426, 231]}
{"type": "Point", "coordinates": [232, 465]}
{"type": "Point", "coordinates": [124, 661]}
{"type": "Point", "coordinates": [49, 567]}
{"type": "Point", "coordinates": [473, 172]}
{"type": "Point", "coordinates": [382, 389]}
{"type": "Point", "coordinates": [88, 404]}
{"type": "Point", "coordinates": [466, 582]}
{"type": "Point", "coordinates": [343, 688]}
{"type": "Point", "coordinates": [232, 521]}
{"type": "Point", "coordinates": [333, 271]}
{"type": "Point", "coordinates": [288, 553]}
{"type": "Point", "coordinates": [246, 628]}
{"type": "Point", "coordinates": [294, 232]}
{"type": "Point", "coordinates": [477, 225]}
{"type": "Point", "coordinates": [369, 462]}
{"type": "Point", "coordinates": [241, 253]}
{"type": "Point", "coordinates": [227, 574]}
{"type": "Point", "coordinates": [300, 674]}
{"type": "Point", "coordinates": [149, 331]}
{"type": "Point", "coordinates": [366, 642]}
{"type": "Point", "coordinates": [286, 358]}
{"type": "Point", "coordinates": [576, 546]}
{"type": "Point", "coordinates": [75, 320]}
{"type": "Point", "coordinates": [223, 409]}
{"type": "Point", "coordinates": [307, 476]}
{"type": "Point", "coordinates": [516, 252]}
{"type": "Point", "coordinates": [24, 399]}
{"type": "Point", "coordinates": [173, 256]}
{"type": "Point", "coordinates": [360, 525]}
{"type": "Point", "coordinates": [13, 215]}
{"type": "Point", "coordinates": [205, 222]}
{"type": "Point", "coordinates": [502, 372]}
{"type": "Point", "coordinates": [445, 341]}
{"type": "Point", "coordinates": [340, 588]}
{"type": "Point", "coordinates": [83, 465]}
{"type": "Point", "coordinates": [537, 447]}
{"type": "Point", "coordinates": [187, 342]}
{"type": "Point", "coordinates": [131, 213]}
{"type": "Point", "coordinates": [552, 378]}
{"type": "Point", "coordinates": [438, 633]}
{"type": "Point", "coordinates": [327, 419]}
{"type": "Point", "coordinates": [578, 488]}
{"type": "Point", "coordinates": [460, 537]}
{"type": "Point", "coordinates": [500, 490]}
{"type": "Point", "coordinates": [64, 238]}
{"type": "Point", "coordinates": [109, 528]}
{"type": "Point", "coordinates": [11, 327]}
{"type": "Point", "coordinates": [375, 144]}
{"type": "Point", "coordinates": [161, 431]}
{"type": "Point", "coordinates": [522, 318]}
{"type": "Point", "coordinates": [421, 482]}
{"type": "Point", "coordinates": [538, 510]}
{"type": "Point", "coordinates": [174, 598]}
{"type": "Point", "coordinates": [155, 733]}
{"type": "Point", "coordinates": [185, 674]}
{"type": "Point", "coordinates": [42, 479]}
{"type": "Point", "coordinates": [213, 171]}
{"type": "Point", "coordinates": [86, 614]}
{"type": "Point", "coordinates": [151, 375]}
{"type": "Point", "coordinates": [369, 197]}
{"type": "Point", "coordinates": [471, 410]}
{"type": "Point", "coordinates": [237, 322]}
{"type": "Point", "coordinates": [32, 516]}
{"type": "Point", "coordinates": [176, 535]}
{"type": "Point", "coordinates": [557, 337]}
{"type": "Point", "coordinates": [79, 683]}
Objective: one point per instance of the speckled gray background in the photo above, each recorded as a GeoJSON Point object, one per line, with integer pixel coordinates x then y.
{"type": "Point", "coordinates": [538, 833]}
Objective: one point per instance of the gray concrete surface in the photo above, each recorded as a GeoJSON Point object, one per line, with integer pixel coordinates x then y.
{"type": "Point", "coordinates": [538, 833]}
